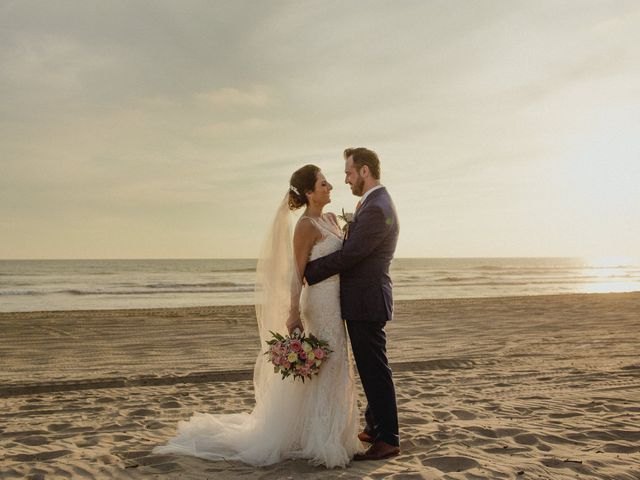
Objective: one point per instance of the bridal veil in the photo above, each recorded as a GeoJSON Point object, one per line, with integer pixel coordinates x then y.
{"type": "Point", "coordinates": [267, 434]}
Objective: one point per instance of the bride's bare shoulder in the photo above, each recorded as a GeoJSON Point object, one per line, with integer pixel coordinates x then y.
{"type": "Point", "coordinates": [307, 228]}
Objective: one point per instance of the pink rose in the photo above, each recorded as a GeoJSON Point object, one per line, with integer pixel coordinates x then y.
{"type": "Point", "coordinates": [302, 356]}
{"type": "Point", "coordinates": [309, 363]}
{"type": "Point", "coordinates": [319, 353]}
{"type": "Point", "coordinates": [295, 345]}
{"type": "Point", "coordinates": [286, 365]}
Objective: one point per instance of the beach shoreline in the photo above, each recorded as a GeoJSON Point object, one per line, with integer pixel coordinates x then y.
{"type": "Point", "coordinates": [487, 388]}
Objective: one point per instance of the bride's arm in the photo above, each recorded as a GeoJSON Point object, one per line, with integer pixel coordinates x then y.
{"type": "Point", "coordinates": [305, 236]}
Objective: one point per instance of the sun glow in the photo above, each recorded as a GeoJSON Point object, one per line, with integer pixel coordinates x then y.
{"type": "Point", "coordinates": [612, 274]}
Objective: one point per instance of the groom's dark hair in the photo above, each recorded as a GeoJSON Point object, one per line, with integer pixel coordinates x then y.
{"type": "Point", "coordinates": [363, 156]}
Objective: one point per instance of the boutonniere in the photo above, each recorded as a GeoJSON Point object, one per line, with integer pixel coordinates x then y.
{"type": "Point", "coordinates": [347, 218]}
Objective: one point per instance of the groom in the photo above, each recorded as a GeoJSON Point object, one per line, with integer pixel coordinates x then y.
{"type": "Point", "coordinates": [365, 296]}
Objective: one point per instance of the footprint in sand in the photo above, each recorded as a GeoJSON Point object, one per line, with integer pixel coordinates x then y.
{"type": "Point", "coordinates": [107, 459]}
{"type": "Point", "coordinates": [631, 367]}
{"type": "Point", "coordinates": [484, 432]}
{"type": "Point", "coordinates": [423, 440]}
{"type": "Point", "coordinates": [441, 415]}
{"type": "Point", "coordinates": [33, 440]}
{"type": "Point", "coordinates": [106, 400]}
{"type": "Point", "coordinates": [620, 448]}
{"type": "Point", "coordinates": [464, 414]}
{"type": "Point", "coordinates": [132, 454]}
{"type": "Point", "coordinates": [508, 431]}
{"type": "Point", "coordinates": [36, 475]}
{"type": "Point", "coordinates": [41, 456]}
{"type": "Point", "coordinates": [58, 427]}
{"type": "Point", "coordinates": [558, 440]}
{"type": "Point", "coordinates": [29, 407]}
{"type": "Point", "coordinates": [141, 412]}
{"type": "Point", "coordinates": [526, 439]}
{"type": "Point", "coordinates": [155, 425]}
{"type": "Point", "coordinates": [505, 450]}
{"type": "Point", "coordinates": [565, 415]}
{"type": "Point", "coordinates": [523, 411]}
{"type": "Point", "coordinates": [414, 420]}
{"type": "Point", "coordinates": [80, 472]}
{"type": "Point", "coordinates": [88, 442]}
{"type": "Point", "coordinates": [450, 463]}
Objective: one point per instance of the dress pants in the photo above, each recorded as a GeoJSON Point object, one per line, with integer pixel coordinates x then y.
{"type": "Point", "coordinates": [369, 345]}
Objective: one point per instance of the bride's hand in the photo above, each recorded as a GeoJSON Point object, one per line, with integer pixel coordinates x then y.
{"type": "Point", "coordinates": [294, 322]}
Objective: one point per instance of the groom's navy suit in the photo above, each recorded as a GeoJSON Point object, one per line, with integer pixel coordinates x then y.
{"type": "Point", "coordinates": [367, 303]}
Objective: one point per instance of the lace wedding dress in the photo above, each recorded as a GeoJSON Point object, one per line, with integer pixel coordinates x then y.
{"type": "Point", "coordinates": [317, 420]}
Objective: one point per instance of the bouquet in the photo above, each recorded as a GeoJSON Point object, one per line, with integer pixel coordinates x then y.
{"type": "Point", "coordinates": [298, 355]}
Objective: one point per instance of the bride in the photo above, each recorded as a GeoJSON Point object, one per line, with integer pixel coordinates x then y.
{"type": "Point", "coordinates": [316, 420]}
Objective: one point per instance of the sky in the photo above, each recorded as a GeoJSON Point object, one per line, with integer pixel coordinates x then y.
{"type": "Point", "coordinates": [156, 129]}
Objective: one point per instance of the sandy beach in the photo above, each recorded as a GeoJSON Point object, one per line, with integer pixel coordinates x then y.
{"type": "Point", "coordinates": [497, 388]}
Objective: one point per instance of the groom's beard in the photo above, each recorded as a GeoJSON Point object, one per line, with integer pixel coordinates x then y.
{"type": "Point", "coordinates": [358, 187]}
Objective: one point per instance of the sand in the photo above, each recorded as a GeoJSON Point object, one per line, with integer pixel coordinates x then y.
{"type": "Point", "coordinates": [530, 387]}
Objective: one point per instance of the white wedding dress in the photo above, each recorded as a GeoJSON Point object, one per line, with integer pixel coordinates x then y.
{"type": "Point", "coordinates": [317, 420]}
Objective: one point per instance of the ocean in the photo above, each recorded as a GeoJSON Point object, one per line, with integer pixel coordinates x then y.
{"type": "Point", "coordinates": [35, 285]}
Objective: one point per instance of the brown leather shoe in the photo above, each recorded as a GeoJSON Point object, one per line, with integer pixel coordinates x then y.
{"type": "Point", "coordinates": [378, 451]}
{"type": "Point", "coordinates": [365, 437]}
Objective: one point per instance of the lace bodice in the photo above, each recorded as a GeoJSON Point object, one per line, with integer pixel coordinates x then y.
{"type": "Point", "coordinates": [330, 241]}
{"type": "Point", "coordinates": [320, 303]}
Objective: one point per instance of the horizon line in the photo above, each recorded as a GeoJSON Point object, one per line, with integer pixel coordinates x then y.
{"type": "Point", "coordinates": [395, 258]}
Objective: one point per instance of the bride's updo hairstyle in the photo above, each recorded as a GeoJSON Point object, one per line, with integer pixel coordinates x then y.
{"type": "Point", "coordinates": [302, 181]}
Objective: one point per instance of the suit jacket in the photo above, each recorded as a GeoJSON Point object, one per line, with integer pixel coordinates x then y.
{"type": "Point", "coordinates": [363, 262]}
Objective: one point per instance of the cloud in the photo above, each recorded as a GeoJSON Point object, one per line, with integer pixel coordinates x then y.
{"type": "Point", "coordinates": [234, 97]}
{"type": "Point", "coordinates": [224, 129]}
